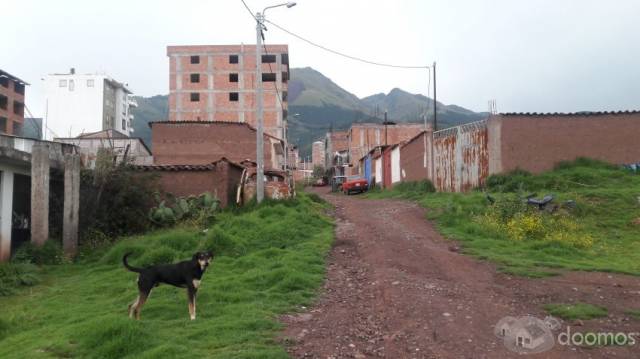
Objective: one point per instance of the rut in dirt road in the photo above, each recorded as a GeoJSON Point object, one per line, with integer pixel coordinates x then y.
{"type": "Point", "coordinates": [396, 289]}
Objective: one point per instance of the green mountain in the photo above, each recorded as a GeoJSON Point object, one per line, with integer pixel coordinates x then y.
{"type": "Point", "coordinates": [150, 109]}
{"type": "Point", "coordinates": [317, 104]}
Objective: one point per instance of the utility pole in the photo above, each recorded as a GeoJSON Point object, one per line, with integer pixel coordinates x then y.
{"type": "Point", "coordinates": [435, 103]}
{"type": "Point", "coordinates": [385, 128]}
{"type": "Point", "coordinates": [259, 104]}
{"type": "Point", "coordinates": [259, 113]}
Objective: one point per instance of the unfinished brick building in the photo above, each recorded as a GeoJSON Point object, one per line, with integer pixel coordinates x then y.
{"type": "Point", "coordinates": [218, 83]}
{"type": "Point", "coordinates": [11, 104]}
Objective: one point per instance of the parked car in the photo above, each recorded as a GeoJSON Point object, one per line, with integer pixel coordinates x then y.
{"type": "Point", "coordinates": [276, 185]}
{"type": "Point", "coordinates": [355, 184]}
{"type": "Point", "coordinates": [336, 183]}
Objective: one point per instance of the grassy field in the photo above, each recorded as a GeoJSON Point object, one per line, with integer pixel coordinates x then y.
{"type": "Point", "coordinates": [602, 233]}
{"type": "Point", "coordinates": [269, 261]}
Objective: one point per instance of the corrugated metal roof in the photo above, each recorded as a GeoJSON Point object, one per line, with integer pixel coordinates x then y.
{"type": "Point", "coordinates": [581, 113]}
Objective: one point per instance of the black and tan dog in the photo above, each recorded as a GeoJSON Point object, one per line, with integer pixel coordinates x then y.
{"type": "Point", "coordinates": [185, 274]}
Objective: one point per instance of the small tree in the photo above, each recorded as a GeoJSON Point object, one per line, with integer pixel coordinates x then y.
{"type": "Point", "coordinates": [318, 172]}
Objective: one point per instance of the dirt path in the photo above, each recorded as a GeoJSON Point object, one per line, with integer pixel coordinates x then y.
{"type": "Point", "coordinates": [396, 289]}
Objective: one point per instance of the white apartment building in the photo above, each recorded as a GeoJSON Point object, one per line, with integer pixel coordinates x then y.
{"type": "Point", "coordinates": [77, 104]}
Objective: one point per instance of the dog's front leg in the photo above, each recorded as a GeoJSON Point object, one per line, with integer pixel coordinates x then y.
{"type": "Point", "coordinates": [191, 293]}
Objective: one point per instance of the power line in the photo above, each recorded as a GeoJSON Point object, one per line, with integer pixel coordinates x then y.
{"type": "Point", "coordinates": [343, 54]}
{"type": "Point", "coordinates": [249, 10]}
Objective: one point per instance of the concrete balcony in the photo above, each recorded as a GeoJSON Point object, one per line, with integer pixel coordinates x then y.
{"type": "Point", "coordinates": [133, 102]}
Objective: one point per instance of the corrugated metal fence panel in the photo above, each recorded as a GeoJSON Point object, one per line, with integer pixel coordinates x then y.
{"type": "Point", "coordinates": [367, 169]}
{"type": "Point", "coordinates": [460, 157]}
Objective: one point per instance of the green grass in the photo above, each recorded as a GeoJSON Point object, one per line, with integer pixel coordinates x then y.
{"type": "Point", "coordinates": [269, 261]}
{"type": "Point", "coordinates": [607, 207]}
{"type": "Point", "coordinates": [576, 311]}
{"type": "Point", "coordinates": [634, 313]}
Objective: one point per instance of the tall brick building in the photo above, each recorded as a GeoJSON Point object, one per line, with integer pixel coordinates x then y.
{"type": "Point", "coordinates": [363, 137]}
{"type": "Point", "coordinates": [218, 83]}
{"type": "Point", "coordinates": [11, 104]}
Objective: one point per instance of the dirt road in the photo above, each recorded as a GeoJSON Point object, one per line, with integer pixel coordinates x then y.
{"type": "Point", "coordinates": [396, 289]}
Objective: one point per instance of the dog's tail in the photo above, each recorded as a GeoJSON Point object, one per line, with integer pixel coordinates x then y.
{"type": "Point", "coordinates": [126, 265]}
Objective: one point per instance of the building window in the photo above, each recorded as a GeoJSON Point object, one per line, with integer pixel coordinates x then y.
{"type": "Point", "coordinates": [285, 95]}
{"type": "Point", "coordinates": [4, 82]}
{"type": "Point", "coordinates": [195, 78]}
{"type": "Point", "coordinates": [4, 100]}
{"type": "Point", "coordinates": [285, 114]}
{"type": "Point", "coordinates": [233, 77]}
{"type": "Point", "coordinates": [124, 125]}
{"type": "Point", "coordinates": [62, 83]}
{"type": "Point", "coordinates": [284, 58]}
{"type": "Point", "coordinates": [195, 97]}
{"type": "Point", "coordinates": [285, 76]}
{"type": "Point", "coordinates": [72, 85]}
{"type": "Point", "coordinates": [18, 88]}
{"type": "Point", "coordinates": [268, 77]}
{"type": "Point", "coordinates": [18, 108]}
{"type": "Point", "coordinates": [268, 59]}
{"type": "Point", "coordinates": [233, 59]}
{"type": "Point", "coordinates": [233, 96]}
{"type": "Point", "coordinates": [3, 124]}
{"type": "Point", "coordinates": [90, 83]}
{"type": "Point", "coordinates": [195, 59]}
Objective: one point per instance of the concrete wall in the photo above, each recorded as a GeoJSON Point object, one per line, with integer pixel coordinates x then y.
{"type": "Point", "coordinates": [537, 142]}
{"type": "Point", "coordinates": [460, 157]}
{"type": "Point", "coordinates": [88, 147]}
{"type": "Point", "coordinates": [178, 143]}
{"type": "Point", "coordinates": [317, 154]}
{"type": "Point", "coordinates": [214, 85]}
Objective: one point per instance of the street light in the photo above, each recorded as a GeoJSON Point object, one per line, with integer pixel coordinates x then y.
{"type": "Point", "coordinates": [260, 119]}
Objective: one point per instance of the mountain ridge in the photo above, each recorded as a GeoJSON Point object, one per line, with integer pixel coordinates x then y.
{"type": "Point", "coordinates": [323, 105]}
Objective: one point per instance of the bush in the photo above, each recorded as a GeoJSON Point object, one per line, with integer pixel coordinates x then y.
{"type": "Point", "coordinates": [114, 198]}
{"type": "Point", "coordinates": [15, 275]}
{"type": "Point", "coordinates": [49, 253]}
{"type": "Point", "coordinates": [512, 218]}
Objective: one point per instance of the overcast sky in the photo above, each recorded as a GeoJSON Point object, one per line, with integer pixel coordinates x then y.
{"type": "Point", "coordinates": [552, 55]}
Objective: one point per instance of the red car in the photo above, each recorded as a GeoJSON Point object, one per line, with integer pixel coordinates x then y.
{"type": "Point", "coordinates": [355, 184]}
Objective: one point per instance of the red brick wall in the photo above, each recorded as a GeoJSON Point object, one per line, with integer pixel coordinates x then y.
{"type": "Point", "coordinates": [412, 159]}
{"type": "Point", "coordinates": [537, 143]}
{"type": "Point", "coordinates": [221, 182]}
{"type": "Point", "coordinates": [12, 96]}
{"type": "Point", "coordinates": [363, 138]}
{"type": "Point", "coordinates": [203, 143]}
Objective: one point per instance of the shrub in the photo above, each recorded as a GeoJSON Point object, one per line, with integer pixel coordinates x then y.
{"type": "Point", "coordinates": [15, 275]}
{"type": "Point", "coordinates": [49, 253]}
{"type": "Point", "coordinates": [114, 198]}
{"type": "Point", "coordinates": [513, 219]}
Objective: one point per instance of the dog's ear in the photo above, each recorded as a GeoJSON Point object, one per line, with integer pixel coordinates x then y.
{"type": "Point", "coordinates": [195, 256]}
{"type": "Point", "coordinates": [210, 253]}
